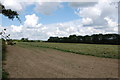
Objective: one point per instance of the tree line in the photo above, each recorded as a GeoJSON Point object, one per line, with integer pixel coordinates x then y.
{"type": "Point", "coordinates": [91, 39]}
{"type": "Point", "coordinates": [27, 40]}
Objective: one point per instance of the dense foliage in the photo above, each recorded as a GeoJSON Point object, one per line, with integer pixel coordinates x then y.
{"type": "Point", "coordinates": [26, 40]}
{"type": "Point", "coordinates": [93, 39]}
{"type": "Point", "coordinates": [9, 13]}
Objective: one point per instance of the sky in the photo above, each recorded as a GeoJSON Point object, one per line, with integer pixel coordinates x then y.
{"type": "Point", "coordinates": [40, 20]}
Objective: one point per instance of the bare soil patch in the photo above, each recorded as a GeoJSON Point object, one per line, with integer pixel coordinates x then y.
{"type": "Point", "coordinates": [50, 63]}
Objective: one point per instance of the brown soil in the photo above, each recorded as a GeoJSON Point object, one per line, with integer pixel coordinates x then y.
{"type": "Point", "coordinates": [50, 63]}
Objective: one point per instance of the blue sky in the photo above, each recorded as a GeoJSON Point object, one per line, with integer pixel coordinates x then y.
{"type": "Point", "coordinates": [40, 20]}
{"type": "Point", "coordinates": [64, 14]}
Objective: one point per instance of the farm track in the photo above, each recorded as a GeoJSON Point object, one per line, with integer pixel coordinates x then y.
{"type": "Point", "coordinates": [50, 63]}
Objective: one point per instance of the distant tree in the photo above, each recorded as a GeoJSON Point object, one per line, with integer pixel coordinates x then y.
{"type": "Point", "coordinates": [24, 39]}
{"type": "Point", "coordinates": [73, 38]}
{"type": "Point", "coordinates": [93, 39]}
{"type": "Point", "coordinates": [87, 39]}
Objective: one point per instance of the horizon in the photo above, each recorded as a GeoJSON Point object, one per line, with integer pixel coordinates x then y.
{"type": "Point", "coordinates": [63, 36]}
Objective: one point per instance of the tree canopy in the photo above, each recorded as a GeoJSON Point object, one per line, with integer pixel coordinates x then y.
{"type": "Point", "coordinates": [93, 39]}
{"type": "Point", "coordinates": [9, 13]}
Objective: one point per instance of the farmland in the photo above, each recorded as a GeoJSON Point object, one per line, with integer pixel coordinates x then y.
{"type": "Point", "coordinates": [38, 60]}
{"type": "Point", "coordinates": [107, 51]}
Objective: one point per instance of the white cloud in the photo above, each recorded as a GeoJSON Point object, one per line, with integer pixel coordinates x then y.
{"type": "Point", "coordinates": [12, 4]}
{"type": "Point", "coordinates": [16, 28]}
{"type": "Point", "coordinates": [58, 29]}
{"type": "Point", "coordinates": [110, 22]}
{"type": "Point", "coordinates": [17, 5]}
{"type": "Point", "coordinates": [91, 12]}
{"type": "Point", "coordinates": [47, 8]}
{"type": "Point", "coordinates": [31, 20]}
{"type": "Point", "coordinates": [87, 21]}
{"type": "Point", "coordinates": [98, 12]}
{"type": "Point", "coordinates": [81, 4]}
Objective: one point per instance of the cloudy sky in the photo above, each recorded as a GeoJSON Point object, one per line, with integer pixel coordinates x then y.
{"type": "Point", "coordinates": [40, 20]}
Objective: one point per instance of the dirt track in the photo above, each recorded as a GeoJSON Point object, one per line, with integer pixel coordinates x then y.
{"type": "Point", "coordinates": [49, 63]}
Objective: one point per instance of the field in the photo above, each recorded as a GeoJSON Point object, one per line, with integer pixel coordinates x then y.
{"type": "Point", "coordinates": [42, 60]}
{"type": "Point", "coordinates": [107, 51]}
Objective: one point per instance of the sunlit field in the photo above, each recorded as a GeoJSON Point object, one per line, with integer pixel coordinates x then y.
{"type": "Point", "coordinates": [107, 51]}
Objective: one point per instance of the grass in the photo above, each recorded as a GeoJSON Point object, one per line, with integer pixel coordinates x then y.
{"type": "Point", "coordinates": [107, 51]}
{"type": "Point", "coordinates": [3, 53]}
{"type": "Point", "coordinates": [4, 74]}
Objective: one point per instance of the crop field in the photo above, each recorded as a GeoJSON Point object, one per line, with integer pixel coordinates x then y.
{"type": "Point", "coordinates": [61, 60]}
{"type": "Point", "coordinates": [107, 51]}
